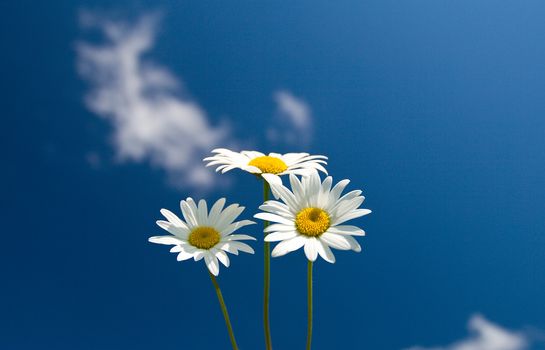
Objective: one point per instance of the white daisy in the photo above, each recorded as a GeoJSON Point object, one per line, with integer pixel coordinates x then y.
{"type": "Point", "coordinates": [270, 167]}
{"type": "Point", "coordinates": [205, 234]}
{"type": "Point", "coordinates": [312, 217]}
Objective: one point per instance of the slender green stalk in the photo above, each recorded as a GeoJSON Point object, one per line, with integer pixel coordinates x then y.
{"type": "Point", "coordinates": [266, 276]}
{"type": "Point", "coordinates": [225, 313]}
{"type": "Point", "coordinates": [309, 304]}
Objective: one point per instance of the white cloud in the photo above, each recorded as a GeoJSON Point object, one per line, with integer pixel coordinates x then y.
{"type": "Point", "coordinates": [152, 121]}
{"type": "Point", "coordinates": [485, 335]}
{"type": "Point", "coordinates": [292, 123]}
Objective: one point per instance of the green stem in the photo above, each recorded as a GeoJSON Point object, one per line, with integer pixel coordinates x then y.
{"type": "Point", "coordinates": [225, 313]}
{"type": "Point", "coordinates": [309, 304]}
{"type": "Point", "coordinates": [266, 276]}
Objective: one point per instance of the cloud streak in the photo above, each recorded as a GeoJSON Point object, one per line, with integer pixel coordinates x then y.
{"type": "Point", "coordinates": [152, 120]}
{"type": "Point", "coordinates": [485, 335]}
{"type": "Point", "coordinates": [292, 122]}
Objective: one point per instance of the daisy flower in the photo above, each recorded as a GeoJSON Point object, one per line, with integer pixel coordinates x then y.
{"type": "Point", "coordinates": [312, 216]}
{"type": "Point", "coordinates": [204, 234]}
{"type": "Point", "coordinates": [270, 167]}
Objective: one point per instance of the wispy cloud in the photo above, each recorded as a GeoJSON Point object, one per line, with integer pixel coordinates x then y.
{"type": "Point", "coordinates": [153, 121]}
{"type": "Point", "coordinates": [292, 122]}
{"type": "Point", "coordinates": [485, 335]}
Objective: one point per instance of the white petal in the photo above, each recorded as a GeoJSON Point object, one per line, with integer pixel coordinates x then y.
{"type": "Point", "coordinates": [202, 212]}
{"type": "Point", "coordinates": [272, 179]}
{"type": "Point", "coordinates": [251, 169]}
{"type": "Point", "coordinates": [189, 248]}
{"type": "Point", "coordinates": [287, 197]}
{"type": "Point", "coordinates": [312, 185]}
{"type": "Point", "coordinates": [214, 214]}
{"type": "Point", "coordinates": [228, 216]}
{"type": "Point", "coordinates": [335, 241]}
{"type": "Point", "coordinates": [199, 254]}
{"type": "Point", "coordinates": [222, 257]}
{"type": "Point", "coordinates": [311, 251]}
{"type": "Point", "coordinates": [165, 225]}
{"type": "Point", "coordinates": [176, 249]}
{"type": "Point", "coordinates": [273, 218]}
{"type": "Point", "coordinates": [297, 187]}
{"type": "Point", "coordinates": [338, 189]}
{"type": "Point", "coordinates": [277, 208]}
{"type": "Point", "coordinates": [274, 182]}
{"type": "Point", "coordinates": [167, 240]}
{"type": "Point", "coordinates": [348, 196]}
{"type": "Point", "coordinates": [311, 159]}
{"type": "Point", "coordinates": [343, 207]}
{"type": "Point", "coordinates": [180, 232]}
{"type": "Point", "coordinates": [289, 245]}
{"type": "Point", "coordinates": [189, 216]}
{"type": "Point", "coordinates": [192, 204]}
{"type": "Point", "coordinates": [212, 264]}
{"type": "Point", "coordinates": [300, 172]}
{"type": "Point", "coordinates": [354, 245]}
{"type": "Point", "coordinates": [229, 168]}
{"type": "Point", "coordinates": [346, 230]}
{"type": "Point", "coordinates": [323, 196]}
{"type": "Point", "coordinates": [280, 236]}
{"type": "Point", "coordinates": [243, 247]}
{"type": "Point", "coordinates": [318, 166]}
{"type": "Point", "coordinates": [213, 161]}
{"type": "Point", "coordinates": [325, 252]}
{"type": "Point", "coordinates": [252, 154]}
{"type": "Point", "coordinates": [280, 227]}
{"type": "Point", "coordinates": [228, 247]}
{"type": "Point", "coordinates": [351, 215]}
{"type": "Point", "coordinates": [239, 238]}
{"type": "Point", "coordinates": [173, 218]}
{"type": "Point", "coordinates": [235, 226]}
{"type": "Point", "coordinates": [223, 167]}
{"type": "Point", "coordinates": [184, 256]}
{"type": "Point", "coordinates": [222, 150]}
{"type": "Point", "coordinates": [293, 158]}
{"type": "Point", "coordinates": [305, 168]}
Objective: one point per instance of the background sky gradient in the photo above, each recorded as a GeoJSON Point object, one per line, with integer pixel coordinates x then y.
{"type": "Point", "coordinates": [435, 109]}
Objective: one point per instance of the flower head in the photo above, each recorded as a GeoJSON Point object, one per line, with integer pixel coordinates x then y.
{"type": "Point", "coordinates": [270, 166]}
{"type": "Point", "coordinates": [204, 234]}
{"type": "Point", "coordinates": [312, 216]}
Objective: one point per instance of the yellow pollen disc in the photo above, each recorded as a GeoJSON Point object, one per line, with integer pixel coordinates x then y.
{"type": "Point", "coordinates": [312, 222]}
{"type": "Point", "coordinates": [204, 237]}
{"type": "Point", "coordinates": [268, 164]}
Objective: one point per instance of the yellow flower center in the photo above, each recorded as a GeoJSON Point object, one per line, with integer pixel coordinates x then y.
{"type": "Point", "coordinates": [312, 222]}
{"type": "Point", "coordinates": [204, 237]}
{"type": "Point", "coordinates": [268, 164]}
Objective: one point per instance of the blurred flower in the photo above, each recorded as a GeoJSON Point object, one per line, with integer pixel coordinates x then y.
{"type": "Point", "coordinates": [270, 167]}
{"type": "Point", "coordinates": [311, 217]}
{"type": "Point", "coordinates": [205, 234]}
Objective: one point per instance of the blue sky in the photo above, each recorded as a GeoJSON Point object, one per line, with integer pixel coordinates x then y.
{"type": "Point", "coordinates": [434, 108]}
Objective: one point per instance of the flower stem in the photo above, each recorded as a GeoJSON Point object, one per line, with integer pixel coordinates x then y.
{"type": "Point", "coordinates": [266, 276]}
{"type": "Point", "coordinates": [309, 304]}
{"type": "Point", "coordinates": [225, 313]}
